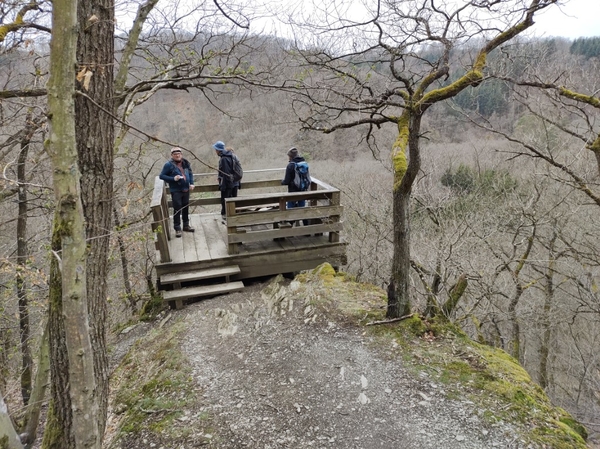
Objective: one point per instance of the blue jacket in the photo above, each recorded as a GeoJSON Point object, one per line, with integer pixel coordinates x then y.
{"type": "Point", "coordinates": [169, 171]}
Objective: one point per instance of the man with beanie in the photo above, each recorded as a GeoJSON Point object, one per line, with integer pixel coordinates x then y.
{"type": "Point", "coordinates": [178, 173]}
{"type": "Point", "coordinates": [227, 185]}
{"type": "Point", "coordinates": [290, 174]}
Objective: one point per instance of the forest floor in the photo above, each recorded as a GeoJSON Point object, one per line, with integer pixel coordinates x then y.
{"type": "Point", "coordinates": [268, 369]}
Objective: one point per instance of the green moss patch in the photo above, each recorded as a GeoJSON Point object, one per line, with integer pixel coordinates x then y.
{"type": "Point", "coordinates": [488, 376]}
{"type": "Point", "coordinates": [152, 387]}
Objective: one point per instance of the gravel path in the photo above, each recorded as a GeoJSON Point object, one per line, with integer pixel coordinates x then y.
{"type": "Point", "coordinates": [277, 374]}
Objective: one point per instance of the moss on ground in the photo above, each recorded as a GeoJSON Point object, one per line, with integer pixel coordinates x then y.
{"type": "Point", "coordinates": [489, 376]}
{"type": "Point", "coordinates": [152, 387]}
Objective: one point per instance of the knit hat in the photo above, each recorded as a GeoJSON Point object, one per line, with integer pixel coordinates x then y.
{"type": "Point", "coordinates": [293, 152]}
{"type": "Point", "coordinates": [219, 146]}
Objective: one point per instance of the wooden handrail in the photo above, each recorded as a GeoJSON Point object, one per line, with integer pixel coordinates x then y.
{"type": "Point", "coordinates": [323, 214]}
{"type": "Point", "coordinates": [160, 223]}
{"type": "Point", "coordinates": [265, 211]}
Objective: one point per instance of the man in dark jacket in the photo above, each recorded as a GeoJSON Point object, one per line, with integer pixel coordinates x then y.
{"type": "Point", "coordinates": [227, 186]}
{"type": "Point", "coordinates": [178, 173]}
{"type": "Point", "coordinates": [290, 173]}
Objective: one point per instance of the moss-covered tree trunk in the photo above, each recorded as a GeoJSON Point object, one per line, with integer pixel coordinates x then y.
{"type": "Point", "coordinates": [405, 172]}
{"type": "Point", "coordinates": [73, 417]}
{"type": "Point", "coordinates": [95, 148]}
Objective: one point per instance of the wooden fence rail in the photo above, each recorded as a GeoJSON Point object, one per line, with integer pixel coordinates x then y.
{"type": "Point", "coordinates": [253, 217]}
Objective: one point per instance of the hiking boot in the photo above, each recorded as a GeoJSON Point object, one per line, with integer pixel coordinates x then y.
{"type": "Point", "coordinates": [188, 228]}
{"type": "Point", "coordinates": [177, 233]}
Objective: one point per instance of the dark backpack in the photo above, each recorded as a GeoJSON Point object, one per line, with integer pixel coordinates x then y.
{"type": "Point", "coordinates": [302, 179]}
{"type": "Point", "coordinates": [238, 171]}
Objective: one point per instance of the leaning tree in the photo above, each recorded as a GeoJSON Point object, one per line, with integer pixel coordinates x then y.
{"type": "Point", "coordinates": [390, 66]}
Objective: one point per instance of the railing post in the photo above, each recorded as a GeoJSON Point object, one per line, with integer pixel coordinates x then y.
{"type": "Point", "coordinates": [334, 237]}
{"type": "Point", "coordinates": [160, 220]}
{"type": "Point", "coordinates": [232, 248]}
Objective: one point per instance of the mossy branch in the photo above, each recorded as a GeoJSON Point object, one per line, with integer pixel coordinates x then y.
{"type": "Point", "coordinates": [19, 21]}
{"type": "Point", "coordinates": [474, 76]}
{"type": "Point", "coordinates": [588, 99]}
{"type": "Point", "coordinates": [399, 149]}
{"type": "Point", "coordinates": [456, 293]}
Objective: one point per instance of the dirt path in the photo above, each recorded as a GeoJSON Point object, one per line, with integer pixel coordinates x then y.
{"type": "Point", "coordinates": [276, 374]}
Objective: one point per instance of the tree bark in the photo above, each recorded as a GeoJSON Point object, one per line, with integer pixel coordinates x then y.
{"type": "Point", "coordinates": [22, 254]}
{"type": "Point", "coordinates": [124, 265]}
{"type": "Point", "coordinates": [75, 426]}
{"type": "Point", "coordinates": [95, 148]}
{"type": "Point", "coordinates": [38, 393]}
{"type": "Point", "coordinates": [543, 374]}
{"type": "Point", "coordinates": [57, 433]}
{"type": "Point", "coordinates": [409, 126]}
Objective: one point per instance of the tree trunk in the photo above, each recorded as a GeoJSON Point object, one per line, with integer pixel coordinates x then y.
{"type": "Point", "coordinates": [74, 426]}
{"type": "Point", "coordinates": [95, 147]}
{"type": "Point", "coordinates": [38, 394]}
{"type": "Point", "coordinates": [409, 126]}
{"type": "Point", "coordinates": [124, 265]}
{"type": "Point", "coordinates": [22, 254]}
{"type": "Point", "coordinates": [57, 433]}
{"type": "Point", "coordinates": [515, 342]}
{"type": "Point", "coordinates": [398, 289]}
{"type": "Point", "coordinates": [455, 294]}
{"type": "Point", "coordinates": [543, 375]}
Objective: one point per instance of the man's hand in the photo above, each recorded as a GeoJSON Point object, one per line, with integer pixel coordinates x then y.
{"type": "Point", "coordinates": [191, 186]}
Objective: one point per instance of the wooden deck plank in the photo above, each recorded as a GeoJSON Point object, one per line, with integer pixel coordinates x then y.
{"type": "Point", "coordinates": [209, 273]}
{"type": "Point", "coordinates": [215, 231]}
{"type": "Point", "coordinates": [203, 290]}
{"type": "Point", "coordinates": [200, 244]}
{"type": "Point", "coordinates": [176, 249]}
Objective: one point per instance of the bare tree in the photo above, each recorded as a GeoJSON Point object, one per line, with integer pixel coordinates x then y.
{"type": "Point", "coordinates": [75, 402]}
{"type": "Point", "coordinates": [391, 69]}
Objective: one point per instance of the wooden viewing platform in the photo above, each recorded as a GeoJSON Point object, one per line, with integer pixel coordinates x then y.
{"type": "Point", "coordinates": [258, 239]}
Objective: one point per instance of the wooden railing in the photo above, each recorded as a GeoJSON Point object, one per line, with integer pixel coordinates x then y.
{"type": "Point", "coordinates": [255, 216]}
{"type": "Point", "coordinates": [160, 219]}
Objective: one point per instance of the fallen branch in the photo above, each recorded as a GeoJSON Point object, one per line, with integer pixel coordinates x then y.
{"type": "Point", "coordinates": [393, 320]}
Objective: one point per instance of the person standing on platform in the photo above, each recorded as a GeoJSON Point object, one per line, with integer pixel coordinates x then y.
{"type": "Point", "coordinates": [178, 173]}
{"type": "Point", "coordinates": [297, 178]}
{"type": "Point", "coordinates": [228, 185]}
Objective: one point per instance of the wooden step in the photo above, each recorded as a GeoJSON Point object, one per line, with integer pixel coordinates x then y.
{"type": "Point", "coordinates": [202, 290]}
{"type": "Point", "coordinates": [186, 276]}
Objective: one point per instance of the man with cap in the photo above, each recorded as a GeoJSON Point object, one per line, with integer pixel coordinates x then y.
{"type": "Point", "coordinates": [288, 180]}
{"type": "Point", "coordinates": [178, 173]}
{"type": "Point", "coordinates": [227, 186]}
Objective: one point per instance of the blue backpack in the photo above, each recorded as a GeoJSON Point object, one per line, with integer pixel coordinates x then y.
{"type": "Point", "coordinates": [302, 179]}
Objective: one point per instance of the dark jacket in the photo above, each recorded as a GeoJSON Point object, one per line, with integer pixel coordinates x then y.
{"type": "Point", "coordinates": [290, 174]}
{"type": "Point", "coordinates": [225, 174]}
{"type": "Point", "coordinates": [170, 170]}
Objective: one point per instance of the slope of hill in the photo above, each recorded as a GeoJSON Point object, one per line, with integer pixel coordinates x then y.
{"type": "Point", "coordinates": [297, 365]}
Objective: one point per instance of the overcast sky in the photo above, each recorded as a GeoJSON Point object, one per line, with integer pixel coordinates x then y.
{"type": "Point", "coordinates": [578, 18]}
